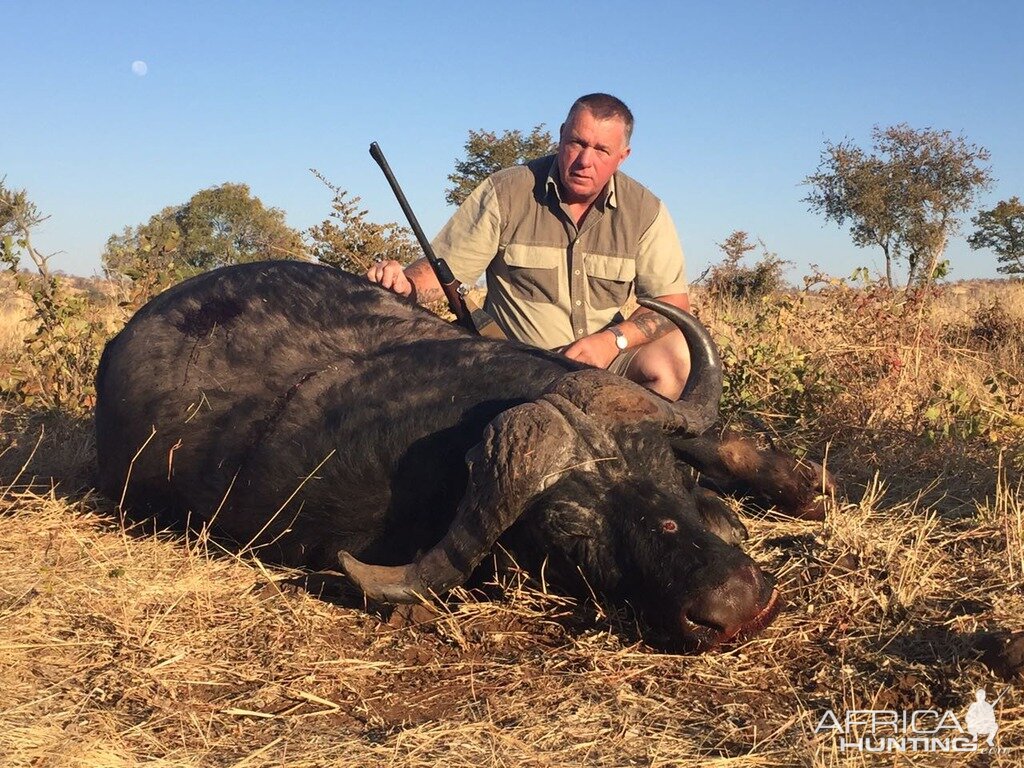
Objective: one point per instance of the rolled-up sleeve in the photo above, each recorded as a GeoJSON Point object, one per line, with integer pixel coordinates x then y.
{"type": "Point", "coordinates": [660, 264]}
{"type": "Point", "coordinates": [469, 241]}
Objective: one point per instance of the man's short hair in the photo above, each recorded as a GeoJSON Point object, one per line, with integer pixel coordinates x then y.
{"type": "Point", "coordinates": [604, 106]}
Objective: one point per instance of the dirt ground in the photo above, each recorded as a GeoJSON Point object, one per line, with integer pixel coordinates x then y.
{"type": "Point", "coordinates": [121, 647]}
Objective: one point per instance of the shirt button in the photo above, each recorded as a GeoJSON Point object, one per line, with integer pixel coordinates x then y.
{"type": "Point", "coordinates": [579, 331]}
{"type": "Point", "coordinates": [576, 272]}
{"type": "Point", "coordinates": [579, 303]}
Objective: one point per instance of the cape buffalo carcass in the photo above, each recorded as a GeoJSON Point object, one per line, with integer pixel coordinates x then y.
{"type": "Point", "coordinates": [325, 422]}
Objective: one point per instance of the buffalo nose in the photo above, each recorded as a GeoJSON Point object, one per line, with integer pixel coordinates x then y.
{"type": "Point", "coordinates": [744, 600]}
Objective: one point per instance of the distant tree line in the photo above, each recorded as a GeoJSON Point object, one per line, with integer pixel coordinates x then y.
{"type": "Point", "coordinates": [905, 195]}
{"type": "Point", "coordinates": [226, 224]}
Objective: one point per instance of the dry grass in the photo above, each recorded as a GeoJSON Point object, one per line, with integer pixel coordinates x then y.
{"type": "Point", "coordinates": [124, 647]}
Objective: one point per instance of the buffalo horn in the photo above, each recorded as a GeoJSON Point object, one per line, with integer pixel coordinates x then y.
{"type": "Point", "coordinates": [523, 450]}
{"type": "Point", "coordinates": [697, 407]}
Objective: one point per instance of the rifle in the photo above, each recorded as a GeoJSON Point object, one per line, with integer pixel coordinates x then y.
{"type": "Point", "coordinates": [467, 313]}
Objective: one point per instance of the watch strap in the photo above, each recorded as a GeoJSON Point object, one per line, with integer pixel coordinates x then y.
{"type": "Point", "coordinates": [620, 338]}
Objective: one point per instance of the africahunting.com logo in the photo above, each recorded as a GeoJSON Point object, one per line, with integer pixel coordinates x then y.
{"type": "Point", "coordinates": [918, 730]}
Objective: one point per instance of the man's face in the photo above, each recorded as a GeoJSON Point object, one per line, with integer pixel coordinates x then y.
{"type": "Point", "coordinates": [589, 153]}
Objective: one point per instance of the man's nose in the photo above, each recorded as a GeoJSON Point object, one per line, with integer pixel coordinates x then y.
{"type": "Point", "coordinates": [585, 157]}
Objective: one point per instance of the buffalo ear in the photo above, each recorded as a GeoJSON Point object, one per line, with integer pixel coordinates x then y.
{"type": "Point", "coordinates": [718, 517]}
{"type": "Point", "coordinates": [523, 451]}
{"type": "Point", "coordinates": [735, 465]}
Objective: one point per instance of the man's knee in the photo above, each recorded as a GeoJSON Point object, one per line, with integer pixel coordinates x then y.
{"type": "Point", "coordinates": [665, 381]}
{"type": "Point", "coordinates": [662, 366]}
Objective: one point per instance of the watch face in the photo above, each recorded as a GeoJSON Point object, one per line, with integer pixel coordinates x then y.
{"type": "Point", "coordinates": [620, 339]}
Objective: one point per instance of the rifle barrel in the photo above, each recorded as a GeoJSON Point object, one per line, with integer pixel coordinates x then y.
{"type": "Point", "coordinates": [377, 154]}
{"type": "Point", "coordinates": [450, 286]}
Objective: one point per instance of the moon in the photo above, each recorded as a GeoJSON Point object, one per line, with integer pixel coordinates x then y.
{"type": "Point", "coordinates": [140, 68]}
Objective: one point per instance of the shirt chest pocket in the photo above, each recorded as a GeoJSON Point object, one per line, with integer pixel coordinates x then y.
{"type": "Point", "coordinates": [533, 271]}
{"type": "Point", "coordinates": [609, 280]}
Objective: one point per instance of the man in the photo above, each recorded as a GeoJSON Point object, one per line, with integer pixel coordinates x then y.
{"type": "Point", "coordinates": [563, 241]}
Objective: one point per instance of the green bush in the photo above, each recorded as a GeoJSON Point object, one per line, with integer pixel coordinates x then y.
{"type": "Point", "coordinates": [734, 281]}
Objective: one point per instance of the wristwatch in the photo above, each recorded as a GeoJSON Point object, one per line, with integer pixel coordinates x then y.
{"type": "Point", "coordinates": [620, 338]}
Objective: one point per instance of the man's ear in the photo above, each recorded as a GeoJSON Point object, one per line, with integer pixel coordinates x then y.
{"type": "Point", "coordinates": [625, 154]}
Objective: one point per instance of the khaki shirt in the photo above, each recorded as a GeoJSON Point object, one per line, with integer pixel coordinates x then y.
{"type": "Point", "coordinates": [549, 282]}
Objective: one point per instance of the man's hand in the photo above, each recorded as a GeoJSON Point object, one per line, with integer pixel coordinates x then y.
{"type": "Point", "coordinates": [390, 274]}
{"type": "Point", "coordinates": [598, 349]}
{"type": "Point", "coordinates": [417, 281]}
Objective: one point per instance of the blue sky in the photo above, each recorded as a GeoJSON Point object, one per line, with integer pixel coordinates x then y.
{"type": "Point", "coordinates": [733, 101]}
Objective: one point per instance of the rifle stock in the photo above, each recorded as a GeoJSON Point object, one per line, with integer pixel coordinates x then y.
{"type": "Point", "coordinates": [467, 313]}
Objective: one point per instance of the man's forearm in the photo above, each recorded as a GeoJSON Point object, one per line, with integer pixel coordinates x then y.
{"type": "Point", "coordinates": [425, 287]}
{"type": "Point", "coordinates": [645, 325]}
{"type": "Point", "coordinates": [650, 325]}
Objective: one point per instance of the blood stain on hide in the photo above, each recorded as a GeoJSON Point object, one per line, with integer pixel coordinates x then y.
{"type": "Point", "coordinates": [200, 322]}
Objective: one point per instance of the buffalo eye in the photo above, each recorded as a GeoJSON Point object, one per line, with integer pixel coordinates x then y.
{"type": "Point", "coordinates": [669, 526]}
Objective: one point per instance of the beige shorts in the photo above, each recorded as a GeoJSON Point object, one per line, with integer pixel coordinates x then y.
{"type": "Point", "coordinates": [622, 360]}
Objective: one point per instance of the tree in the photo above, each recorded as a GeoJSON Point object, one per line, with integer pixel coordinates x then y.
{"type": "Point", "coordinates": [348, 241]}
{"type": "Point", "coordinates": [1002, 230]}
{"type": "Point", "coordinates": [18, 217]}
{"type": "Point", "coordinates": [227, 225]}
{"type": "Point", "coordinates": [732, 280]}
{"type": "Point", "coordinates": [148, 256]}
{"type": "Point", "coordinates": [486, 152]}
{"type": "Point", "coordinates": [905, 197]}
{"type": "Point", "coordinates": [218, 226]}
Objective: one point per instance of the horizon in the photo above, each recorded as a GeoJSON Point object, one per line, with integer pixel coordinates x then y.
{"type": "Point", "coordinates": [124, 109]}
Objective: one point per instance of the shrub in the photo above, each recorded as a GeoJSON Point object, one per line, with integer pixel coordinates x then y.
{"type": "Point", "coordinates": [58, 362]}
{"type": "Point", "coordinates": [746, 284]}
{"type": "Point", "coordinates": [346, 239]}
{"type": "Point", "coordinates": [993, 326]}
{"type": "Point", "coordinates": [768, 376]}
